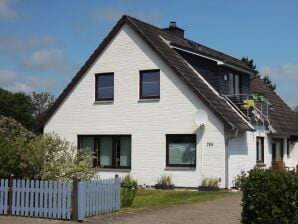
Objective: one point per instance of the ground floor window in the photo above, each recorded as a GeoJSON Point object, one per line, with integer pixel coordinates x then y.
{"type": "Point", "coordinates": [181, 150]}
{"type": "Point", "coordinates": [260, 149]}
{"type": "Point", "coordinates": [110, 151]}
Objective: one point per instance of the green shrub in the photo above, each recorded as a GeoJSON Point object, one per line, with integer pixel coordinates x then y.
{"type": "Point", "coordinates": [46, 157]}
{"type": "Point", "coordinates": [165, 180]}
{"type": "Point", "coordinates": [270, 197]}
{"type": "Point", "coordinates": [129, 187]}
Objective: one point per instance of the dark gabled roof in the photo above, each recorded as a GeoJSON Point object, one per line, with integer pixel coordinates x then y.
{"type": "Point", "coordinates": [155, 38]}
{"type": "Point", "coordinates": [282, 118]}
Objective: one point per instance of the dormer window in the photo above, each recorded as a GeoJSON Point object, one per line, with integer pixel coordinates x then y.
{"type": "Point", "coordinates": [149, 84]}
{"type": "Point", "coordinates": [104, 86]}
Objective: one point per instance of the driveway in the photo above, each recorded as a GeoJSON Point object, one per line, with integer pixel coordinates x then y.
{"type": "Point", "coordinates": [226, 210]}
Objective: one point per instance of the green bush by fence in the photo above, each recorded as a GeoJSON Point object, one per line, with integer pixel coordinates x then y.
{"type": "Point", "coordinates": [129, 187]}
{"type": "Point", "coordinates": [270, 197]}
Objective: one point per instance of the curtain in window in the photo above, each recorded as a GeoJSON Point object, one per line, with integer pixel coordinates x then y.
{"type": "Point", "coordinates": [125, 150]}
{"type": "Point", "coordinates": [106, 146]}
{"type": "Point", "coordinates": [182, 153]}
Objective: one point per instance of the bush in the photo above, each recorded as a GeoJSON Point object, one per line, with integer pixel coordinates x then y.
{"type": "Point", "coordinates": [129, 187]}
{"type": "Point", "coordinates": [270, 197]}
{"type": "Point", "coordinates": [239, 180]}
{"type": "Point", "coordinates": [45, 157]}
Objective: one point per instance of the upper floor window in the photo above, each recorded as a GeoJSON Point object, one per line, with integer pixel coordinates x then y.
{"type": "Point", "coordinates": [181, 150]}
{"type": "Point", "coordinates": [104, 86]}
{"type": "Point", "coordinates": [234, 84]}
{"type": "Point", "coordinates": [149, 84]}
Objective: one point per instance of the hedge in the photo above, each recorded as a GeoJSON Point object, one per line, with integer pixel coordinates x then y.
{"type": "Point", "coordinates": [270, 197]}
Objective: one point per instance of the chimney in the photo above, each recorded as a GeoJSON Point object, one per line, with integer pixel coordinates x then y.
{"type": "Point", "coordinates": [175, 30]}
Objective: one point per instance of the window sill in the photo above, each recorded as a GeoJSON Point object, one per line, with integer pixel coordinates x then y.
{"type": "Point", "coordinates": [149, 100]}
{"type": "Point", "coordinates": [181, 168]}
{"type": "Point", "coordinates": [104, 102]}
{"type": "Point", "coordinates": [112, 169]}
{"type": "Point", "coordinates": [260, 165]}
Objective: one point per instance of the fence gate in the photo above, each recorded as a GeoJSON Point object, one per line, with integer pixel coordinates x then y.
{"type": "Point", "coordinates": [98, 196]}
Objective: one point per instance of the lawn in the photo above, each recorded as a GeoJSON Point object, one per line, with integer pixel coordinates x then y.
{"type": "Point", "coordinates": [163, 198]}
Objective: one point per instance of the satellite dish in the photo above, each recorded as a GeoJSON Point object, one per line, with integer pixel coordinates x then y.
{"type": "Point", "coordinates": [200, 118]}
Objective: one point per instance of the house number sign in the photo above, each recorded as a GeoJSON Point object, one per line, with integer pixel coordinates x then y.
{"type": "Point", "coordinates": [209, 144]}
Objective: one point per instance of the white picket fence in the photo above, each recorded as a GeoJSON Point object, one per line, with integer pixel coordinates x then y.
{"type": "Point", "coordinates": [98, 196]}
{"type": "Point", "coordinates": [3, 196]}
{"type": "Point", "coordinates": [48, 199]}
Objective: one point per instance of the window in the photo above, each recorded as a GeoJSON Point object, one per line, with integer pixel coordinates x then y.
{"type": "Point", "coordinates": [149, 84]}
{"type": "Point", "coordinates": [110, 151]}
{"type": "Point", "coordinates": [260, 150]}
{"type": "Point", "coordinates": [234, 84]}
{"type": "Point", "coordinates": [181, 150]}
{"type": "Point", "coordinates": [104, 86]}
{"type": "Point", "coordinates": [288, 147]}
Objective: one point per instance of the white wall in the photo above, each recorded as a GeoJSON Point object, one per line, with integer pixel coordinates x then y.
{"type": "Point", "coordinates": [242, 152]}
{"type": "Point", "coordinates": [147, 122]}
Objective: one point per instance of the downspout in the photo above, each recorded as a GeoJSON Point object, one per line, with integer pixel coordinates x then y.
{"type": "Point", "coordinates": [227, 156]}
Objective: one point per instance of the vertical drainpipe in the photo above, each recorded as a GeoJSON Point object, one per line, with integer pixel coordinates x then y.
{"type": "Point", "coordinates": [227, 157]}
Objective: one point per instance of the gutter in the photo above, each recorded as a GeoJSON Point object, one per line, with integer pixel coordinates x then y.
{"type": "Point", "coordinates": [227, 140]}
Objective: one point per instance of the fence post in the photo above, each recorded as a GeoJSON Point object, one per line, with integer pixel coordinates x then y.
{"type": "Point", "coordinates": [10, 181]}
{"type": "Point", "coordinates": [74, 199]}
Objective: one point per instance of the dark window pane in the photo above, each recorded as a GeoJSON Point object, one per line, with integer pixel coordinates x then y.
{"type": "Point", "coordinates": [87, 142]}
{"type": "Point", "coordinates": [150, 84]}
{"type": "Point", "coordinates": [105, 86]}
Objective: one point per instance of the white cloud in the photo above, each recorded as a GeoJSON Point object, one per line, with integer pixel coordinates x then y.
{"type": "Point", "coordinates": [5, 10]}
{"type": "Point", "coordinates": [16, 44]}
{"type": "Point", "coordinates": [19, 87]}
{"type": "Point", "coordinates": [49, 60]}
{"type": "Point", "coordinates": [14, 82]}
{"type": "Point", "coordinates": [7, 75]}
{"type": "Point", "coordinates": [287, 71]}
{"type": "Point", "coordinates": [286, 78]}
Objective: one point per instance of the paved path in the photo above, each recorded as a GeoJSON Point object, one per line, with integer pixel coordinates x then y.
{"type": "Point", "coordinates": [226, 210]}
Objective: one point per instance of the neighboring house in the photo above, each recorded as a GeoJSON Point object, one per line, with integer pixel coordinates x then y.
{"type": "Point", "coordinates": [134, 100]}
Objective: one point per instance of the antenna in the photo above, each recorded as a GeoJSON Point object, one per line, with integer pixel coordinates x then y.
{"type": "Point", "coordinates": [200, 118]}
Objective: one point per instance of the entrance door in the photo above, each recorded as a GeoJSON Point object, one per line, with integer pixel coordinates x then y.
{"type": "Point", "coordinates": [277, 149]}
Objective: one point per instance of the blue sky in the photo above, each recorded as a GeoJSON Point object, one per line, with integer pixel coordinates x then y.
{"type": "Point", "coordinates": [44, 43]}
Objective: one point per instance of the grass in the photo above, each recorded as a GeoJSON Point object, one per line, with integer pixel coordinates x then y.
{"type": "Point", "coordinates": [164, 198]}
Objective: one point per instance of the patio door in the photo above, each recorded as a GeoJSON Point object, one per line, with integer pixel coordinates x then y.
{"type": "Point", "coordinates": [277, 149]}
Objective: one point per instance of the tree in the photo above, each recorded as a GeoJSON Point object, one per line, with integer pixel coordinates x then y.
{"type": "Point", "coordinates": [249, 63]}
{"type": "Point", "coordinates": [266, 79]}
{"type": "Point", "coordinates": [46, 157]}
{"type": "Point", "coordinates": [269, 83]}
{"type": "Point", "coordinates": [17, 105]}
{"type": "Point", "coordinates": [42, 102]}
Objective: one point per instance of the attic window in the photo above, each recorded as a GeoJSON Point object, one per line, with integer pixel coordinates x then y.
{"type": "Point", "coordinates": [104, 86]}
{"type": "Point", "coordinates": [149, 84]}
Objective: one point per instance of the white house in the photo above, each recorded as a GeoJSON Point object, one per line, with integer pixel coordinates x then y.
{"type": "Point", "coordinates": [134, 100]}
